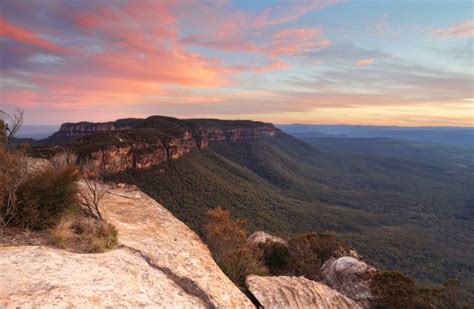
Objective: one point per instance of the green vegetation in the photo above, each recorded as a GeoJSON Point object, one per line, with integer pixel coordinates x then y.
{"type": "Point", "coordinates": [398, 213]}
{"type": "Point", "coordinates": [47, 200]}
{"type": "Point", "coordinates": [44, 198]}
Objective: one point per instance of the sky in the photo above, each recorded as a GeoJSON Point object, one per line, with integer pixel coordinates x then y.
{"type": "Point", "coordinates": [379, 62]}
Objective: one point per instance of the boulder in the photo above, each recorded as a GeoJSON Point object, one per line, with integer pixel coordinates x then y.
{"type": "Point", "coordinates": [350, 277]}
{"type": "Point", "coordinates": [295, 292]}
{"type": "Point", "coordinates": [261, 237]}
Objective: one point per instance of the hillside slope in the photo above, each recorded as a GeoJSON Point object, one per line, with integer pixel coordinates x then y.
{"type": "Point", "coordinates": [398, 213]}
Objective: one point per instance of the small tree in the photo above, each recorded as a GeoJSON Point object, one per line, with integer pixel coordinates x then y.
{"type": "Point", "coordinates": [90, 194]}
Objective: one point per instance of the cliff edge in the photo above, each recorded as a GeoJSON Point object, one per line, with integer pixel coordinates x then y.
{"type": "Point", "coordinates": [160, 263]}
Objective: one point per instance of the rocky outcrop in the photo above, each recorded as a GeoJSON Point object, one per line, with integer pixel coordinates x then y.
{"type": "Point", "coordinates": [295, 292]}
{"type": "Point", "coordinates": [160, 263]}
{"type": "Point", "coordinates": [260, 237]}
{"type": "Point", "coordinates": [350, 277]}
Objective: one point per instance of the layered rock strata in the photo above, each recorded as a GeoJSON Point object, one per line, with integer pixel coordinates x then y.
{"type": "Point", "coordinates": [281, 292]}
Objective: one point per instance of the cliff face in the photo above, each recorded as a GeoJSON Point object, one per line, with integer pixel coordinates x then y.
{"type": "Point", "coordinates": [160, 263]}
{"type": "Point", "coordinates": [115, 146]}
{"type": "Point", "coordinates": [86, 128]}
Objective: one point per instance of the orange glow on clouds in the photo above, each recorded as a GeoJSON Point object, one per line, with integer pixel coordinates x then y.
{"type": "Point", "coordinates": [99, 61]}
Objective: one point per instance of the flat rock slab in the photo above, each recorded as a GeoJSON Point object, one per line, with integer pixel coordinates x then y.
{"type": "Point", "coordinates": [46, 278]}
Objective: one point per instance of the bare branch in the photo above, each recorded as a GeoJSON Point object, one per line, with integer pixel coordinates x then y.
{"type": "Point", "coordinates": [13, 123]}
{"type": "Point", "coordinates": [90, 194]}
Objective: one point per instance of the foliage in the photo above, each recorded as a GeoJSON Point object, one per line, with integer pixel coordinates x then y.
{"type": "Point", "coordinates": [226, 239]}
{"type": "Point", "coordinates": [3, 134]}
{"type": "Point", "coordinates": [45, 197]}
{"type": "Point", "coordinates": [392, 289]}
{"type": "Point", "coordinates": [303, 259]}
{"type": "Point", "coordinates": [276, 256]}
{"type": "Point", "coordinates": [12, 174]}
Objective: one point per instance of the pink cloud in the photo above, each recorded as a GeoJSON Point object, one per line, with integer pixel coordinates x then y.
{"type": "Point", "coordinates": [362, 62]}
{"type": "Point", "coordinates": [463, 29]}
{"type": "Point", "coordinates": [23, 35]}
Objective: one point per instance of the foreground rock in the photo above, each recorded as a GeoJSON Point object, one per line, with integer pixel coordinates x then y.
{"type": "Point", "coordinates": [350, 277]}
{"type": "Point", "coordinates": [295, 292]}
{"type": "Point", "coordinates": [45, 277]}
{"type": "Point", "coordinates": [161, 263]}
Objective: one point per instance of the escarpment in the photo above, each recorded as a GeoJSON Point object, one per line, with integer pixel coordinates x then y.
{"type": "Point", "coordinates": [141, 143]}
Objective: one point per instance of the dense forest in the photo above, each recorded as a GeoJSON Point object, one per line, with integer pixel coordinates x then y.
{"type": "Point", "coordinates": [402, 205]}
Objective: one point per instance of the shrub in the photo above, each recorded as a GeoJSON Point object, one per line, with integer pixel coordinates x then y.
{"type": "Point", "coordinates": [45, 197]}
{"type": "Point", "coordinates": [393, 289]}
{"type": "Point", "coordinates": [276, 256]}
{"type": "Point", "coordinates": [13, 171]}
{"type": "Point", "coordinates": [79, 233]}
{"type": "Point", "coordinates": [227, 239]}
{"type": "Point", "coordinates": [3, 134]}
{"type": "Point", "coordinates": [303, 260]}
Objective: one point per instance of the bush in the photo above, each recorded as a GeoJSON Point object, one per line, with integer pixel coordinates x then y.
{"type": "Point", "coordinates": [276, 256]}
{"type": "Point", "coordinates": [13, 173]}
{"type": "Point", "coordinates": [3, 135]}
{"type": "Point", "coordinates": [227, 239]}
{"type": "Point", "coordinates": [45, 197]}
{"type": "Point", "coordinates": [393, 289]}
{"type": "Point", "coordinates": [303, 259]}
{"type": "Point", "coordinates": [79, 233]}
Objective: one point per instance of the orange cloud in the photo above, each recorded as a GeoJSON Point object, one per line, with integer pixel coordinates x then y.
{"type": "Point", "coordinates": [463, 29]}
{"type": "Point", "coordinates": [362, 62]}
{"type": "Point", "coordinates": [16, 33]}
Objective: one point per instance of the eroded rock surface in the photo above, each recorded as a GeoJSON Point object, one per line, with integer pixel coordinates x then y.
{"type": "Point", "coordinates": [261, 237]}
{"type": "Point", "coordinates": [350, 277]}
{"type": "Point", "coordinates": [160, 263]}
{"type": "Point", "coordinates": [295, 292]}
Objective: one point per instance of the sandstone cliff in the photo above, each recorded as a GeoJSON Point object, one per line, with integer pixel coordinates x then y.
{"type": "Point", "coordinates": [140, 143]}
{"type": "Point", "coordinates": [295, 292]}
{"type": "Point", "coordinates": [160, 263]}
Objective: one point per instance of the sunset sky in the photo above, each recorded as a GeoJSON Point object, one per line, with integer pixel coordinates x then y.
{"type": "Point", "coordinates": [321, 61]}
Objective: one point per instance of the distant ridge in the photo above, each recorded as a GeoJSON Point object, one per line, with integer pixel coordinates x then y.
{"type": "Point", "coordinates": [438, 135]}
